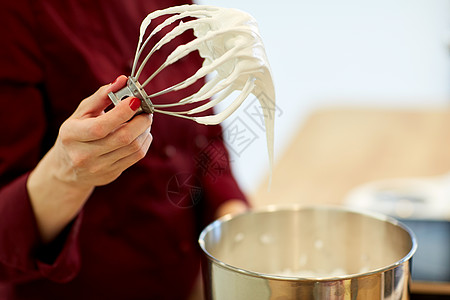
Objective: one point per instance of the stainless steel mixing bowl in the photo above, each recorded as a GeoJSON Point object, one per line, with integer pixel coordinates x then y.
{"type": "Point", "coordinates": [307, 253]}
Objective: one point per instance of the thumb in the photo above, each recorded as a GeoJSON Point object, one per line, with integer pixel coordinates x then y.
{"type": "Point", "coordinates": [95, 104]}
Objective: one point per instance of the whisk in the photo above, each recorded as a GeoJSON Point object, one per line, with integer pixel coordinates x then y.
{"type": "Point", "coordinates": [234, 57]}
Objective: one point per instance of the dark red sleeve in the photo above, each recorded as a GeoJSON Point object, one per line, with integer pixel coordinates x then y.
{"type": "Point", "coordinates": [21, 254]}
{"type": "Point", "coordinates": [23, 125]}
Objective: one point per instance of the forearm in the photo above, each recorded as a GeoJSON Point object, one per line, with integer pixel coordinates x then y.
{"type": "Point", "coordinates": [55, 203]}
{"type": "Point", "coordinates": [92, 149]}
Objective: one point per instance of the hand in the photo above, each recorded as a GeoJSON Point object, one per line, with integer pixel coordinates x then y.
{"type": "Point", "coordinates": [233, 207]}
{"type": "Point", "coordinates": [93, 148]}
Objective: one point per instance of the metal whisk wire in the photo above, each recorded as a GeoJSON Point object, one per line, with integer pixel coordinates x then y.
{"type": "Point", "coordinates": [234, 56]}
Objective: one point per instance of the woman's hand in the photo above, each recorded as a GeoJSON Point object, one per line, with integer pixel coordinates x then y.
{"type": "Point", "coordinates": [93, 148]}
{"type": "Point", "coordinates": [232, 206]}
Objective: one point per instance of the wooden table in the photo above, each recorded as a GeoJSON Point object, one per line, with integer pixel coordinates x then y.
{"type": "Point", "coordinates": [338, 149]}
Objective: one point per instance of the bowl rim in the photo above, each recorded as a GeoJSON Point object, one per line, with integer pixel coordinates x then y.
{"type": "Point", "coordinates": [298, 207]}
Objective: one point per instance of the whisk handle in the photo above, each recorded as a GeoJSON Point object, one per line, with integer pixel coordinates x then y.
{"type": "Point", "coordinates": [133, 89]}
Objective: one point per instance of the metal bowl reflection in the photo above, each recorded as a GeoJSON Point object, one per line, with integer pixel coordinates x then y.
{"type": "Point", "coordinates": [316, 252]}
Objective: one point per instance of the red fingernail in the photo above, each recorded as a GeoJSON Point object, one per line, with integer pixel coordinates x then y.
{"type": "Point", "coordinates": [135, 103]}
{"type": "Point", "coordinates": [115, 80]}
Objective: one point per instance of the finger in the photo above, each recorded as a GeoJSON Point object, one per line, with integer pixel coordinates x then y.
{"type": "Point", "coordinates": [95, 104]}
{"type": "Point", "coordinates": [93, 129]}
{"type": "Point", "coordinates": [124, 135]}
{"type": "Point", "coordinates": [118, 83]}
{"type": "Point", "coordinates": [134, 146]}
{"type": "Point", "coordinates": [105, 165]}
{"type": "Point", "coordinates": [134, 156]}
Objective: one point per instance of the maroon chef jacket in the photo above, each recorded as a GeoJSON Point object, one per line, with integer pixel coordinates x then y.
{"type": "Point", "coordinates": [136, 238]}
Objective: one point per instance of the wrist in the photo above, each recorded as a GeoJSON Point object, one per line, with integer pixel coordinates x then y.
{"type": "Point", "coordinates": [54, 199]}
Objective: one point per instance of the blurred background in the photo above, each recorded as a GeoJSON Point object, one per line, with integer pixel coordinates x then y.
{"type": "Point", "coordinates": [347, 53]}
{"type": "Point", "coordinates": [362, 116]}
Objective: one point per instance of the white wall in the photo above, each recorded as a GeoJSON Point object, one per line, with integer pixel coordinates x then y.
{"type": "Point", "coordinates": [393, 53]}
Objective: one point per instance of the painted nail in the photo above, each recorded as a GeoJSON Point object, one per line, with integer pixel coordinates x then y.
{"type": "Point", "coordinates": [115, 80]}
{"type": "Point", "coordinates": [135, 103]}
